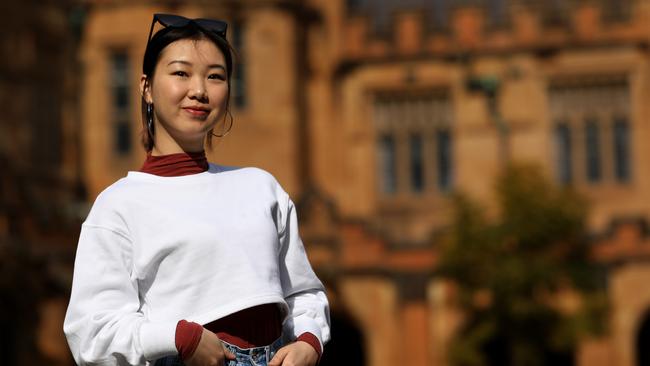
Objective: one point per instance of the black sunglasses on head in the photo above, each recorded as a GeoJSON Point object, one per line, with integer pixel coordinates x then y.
{"type": "Point", "coordinates": [217, 27]}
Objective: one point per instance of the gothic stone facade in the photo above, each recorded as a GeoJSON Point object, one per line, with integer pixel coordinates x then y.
{"type": "Point", "coordinates": [323, 86]}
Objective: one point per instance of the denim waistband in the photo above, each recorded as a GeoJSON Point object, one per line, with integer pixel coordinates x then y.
{"type": "Point", "coordinates": [253, 356]}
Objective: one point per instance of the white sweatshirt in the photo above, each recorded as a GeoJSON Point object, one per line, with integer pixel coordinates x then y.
{"type": "Point", "coordinates": [155, 250]}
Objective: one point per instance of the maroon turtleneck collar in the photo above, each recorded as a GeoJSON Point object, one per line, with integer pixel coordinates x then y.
{"type": "Point", "coordinates": [174, 165]}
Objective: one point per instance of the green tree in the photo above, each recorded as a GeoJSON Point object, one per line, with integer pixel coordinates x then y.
{"type": "Point", "coordinates": [512, 271]}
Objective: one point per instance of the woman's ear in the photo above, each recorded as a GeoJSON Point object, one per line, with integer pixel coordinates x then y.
{"type": "Point", "coordinates": [145, 88]}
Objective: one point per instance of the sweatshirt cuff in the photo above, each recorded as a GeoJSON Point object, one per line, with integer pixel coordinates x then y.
{"type": "Point", "coordinates": [312, 340]}
{"type": "Point", "coordinates": [188, 336]}
{"type": "Point", "coordinates": [158, 339]}
{"type": "Point", "coordinates": [302, 325]}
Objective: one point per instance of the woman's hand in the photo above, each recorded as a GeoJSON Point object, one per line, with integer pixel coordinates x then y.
{"type": "Point", "coordinates": [209, 352]}
{"type": "Point", "coordinates": [295, 354]}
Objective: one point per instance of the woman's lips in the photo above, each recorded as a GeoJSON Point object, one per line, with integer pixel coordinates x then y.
{"type": "Point", "coordinates": [196, 112]}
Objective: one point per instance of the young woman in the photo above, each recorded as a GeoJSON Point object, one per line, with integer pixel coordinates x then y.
{"type": "Point", "coordinates": [186, 262]}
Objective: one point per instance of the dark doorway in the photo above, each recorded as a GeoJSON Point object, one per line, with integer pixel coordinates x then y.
{"type": "Point", "coordinates": [643, 341]}
{"type": "Point", "coordinates": [347, 344]}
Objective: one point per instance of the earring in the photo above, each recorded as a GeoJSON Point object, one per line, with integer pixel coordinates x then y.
{"type": "Point", "coordinates": [229, 126]}
{"type": "Point", "coordinates": [150, 118]}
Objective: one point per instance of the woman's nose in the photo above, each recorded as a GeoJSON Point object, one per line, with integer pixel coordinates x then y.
{"type": "Point", "coordinates": [197, 90]}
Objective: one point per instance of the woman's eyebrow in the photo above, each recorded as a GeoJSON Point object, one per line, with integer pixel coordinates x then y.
{"type": "Point", "coordinates": [179, 62]}
{"type": "Point", "coordinates": [219, 66]}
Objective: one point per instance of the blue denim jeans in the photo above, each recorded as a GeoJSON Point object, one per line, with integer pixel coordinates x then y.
{"type": "Point", "coordinates": [257, 356]}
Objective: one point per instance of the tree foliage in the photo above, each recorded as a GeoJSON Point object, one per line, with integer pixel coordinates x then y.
{"type": "Point", "coordinates": [525, 283]}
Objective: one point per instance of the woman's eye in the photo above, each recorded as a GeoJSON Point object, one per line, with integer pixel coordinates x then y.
{"type": "Point", "coordinates": [216, 76]}
{"type": "Point", "coordinates": [180, 73]}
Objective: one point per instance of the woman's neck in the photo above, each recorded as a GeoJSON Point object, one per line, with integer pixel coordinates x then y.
{"type": "Point", "coordinates": [165, 144]}
{"type": "Point", "coordinates": [168, 150]}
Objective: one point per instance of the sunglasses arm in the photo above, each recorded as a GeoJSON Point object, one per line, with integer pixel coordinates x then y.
{"type": "Point", "coordinates": [153, 22]}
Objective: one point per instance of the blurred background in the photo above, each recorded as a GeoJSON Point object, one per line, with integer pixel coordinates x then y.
{"type": "Point", "coordinates": [472, 176]}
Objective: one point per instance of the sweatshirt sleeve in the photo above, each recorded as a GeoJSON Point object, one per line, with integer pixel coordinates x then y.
{"type": "Point", "coordinates": [103, 323]}
{"type": "Point", "coordinates": [303, 291]}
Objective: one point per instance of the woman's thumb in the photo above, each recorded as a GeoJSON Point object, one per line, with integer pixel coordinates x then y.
{"type": "Point", "coordinates": [279, 357]}
{"type": "Point", "coordinates": [229, 355]}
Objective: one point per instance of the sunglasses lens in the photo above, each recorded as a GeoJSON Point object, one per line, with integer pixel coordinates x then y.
{"type": "Point", "coordinates": [170, 20]}
{"type": "Point", "coordinates": [215, 26]}
{"type": "Point", "coordinates": [177, 21]}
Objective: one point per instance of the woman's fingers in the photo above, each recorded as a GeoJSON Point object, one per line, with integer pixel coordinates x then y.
{"type": "Point", "coordinates": [210, 351]}
{"type": "Point", "coordinates": [279, 357]}
{"type": "Point", "coordinates": [228, 354]}
{"type": "Point", "coordinates": [295, 354]}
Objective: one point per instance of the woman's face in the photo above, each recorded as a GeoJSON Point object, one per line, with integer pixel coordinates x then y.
{"type": "Point", "coordinates": [189, 91]}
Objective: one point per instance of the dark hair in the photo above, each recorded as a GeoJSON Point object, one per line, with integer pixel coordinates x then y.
{"type": "Point", "coordinates": [158, 42]}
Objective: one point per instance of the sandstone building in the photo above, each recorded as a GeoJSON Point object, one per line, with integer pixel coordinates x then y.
{"type": "Point", "coordinates": [371, 112]}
